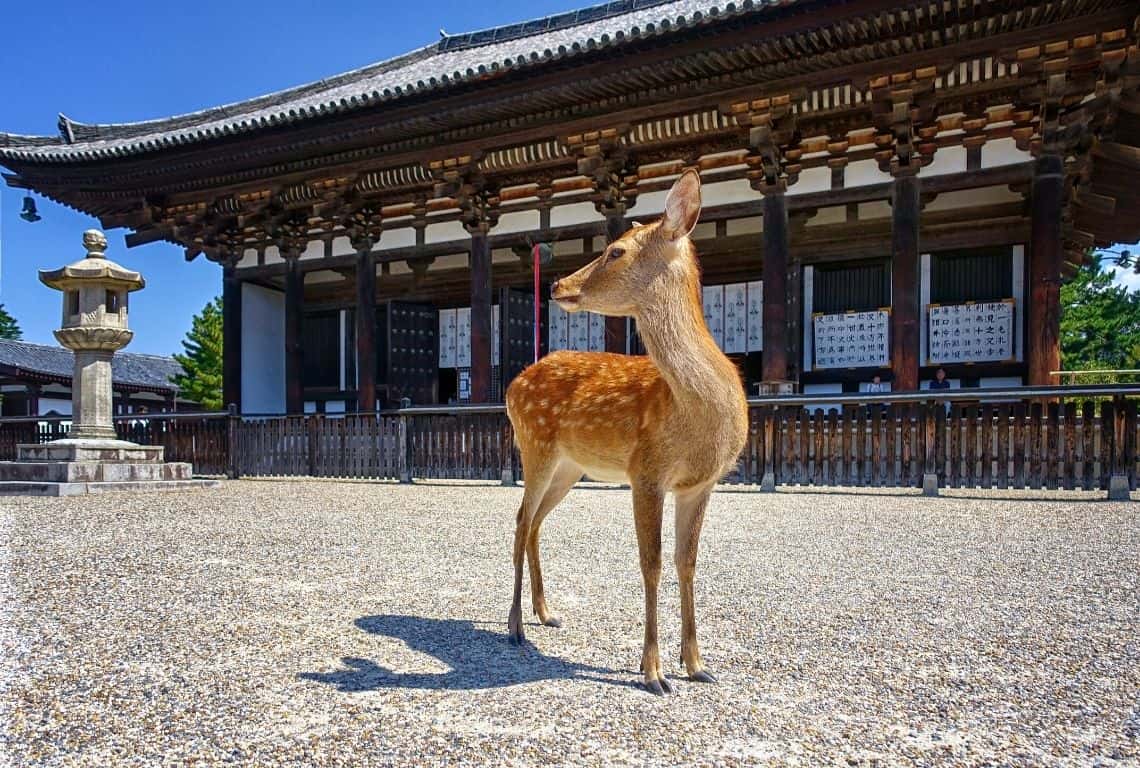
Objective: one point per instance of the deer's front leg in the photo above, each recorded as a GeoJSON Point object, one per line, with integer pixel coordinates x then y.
{"type": "Point", "coordinates": [647, 510]}
{"type": "Point", "coordinates": [690, 516]}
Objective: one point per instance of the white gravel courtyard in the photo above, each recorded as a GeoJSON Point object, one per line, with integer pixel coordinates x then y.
{"type": "Point", "coordinates": [325, 623]}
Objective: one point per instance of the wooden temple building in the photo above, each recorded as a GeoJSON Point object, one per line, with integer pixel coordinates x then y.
{"type": "Point", "coordinates": [889, 187]}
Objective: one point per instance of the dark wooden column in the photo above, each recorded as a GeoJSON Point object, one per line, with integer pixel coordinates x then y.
{"type": "Point", "coordinates": [906, 210]}
{"type": "Point", "coordinates": [1043, 335]}
{"type": "Point", "coordinates": [480, 315]}
{"type": "Point", "coordinates": [775, 355]}
{"type": "Point", "coordinates": [294, 307]}
{"type": "Point", "coordinates": [33, 408]}
{"type": "Point", "coordinates": [231, 336]}
{"type": "Point", "coordinates": [365, 327]}
{"type": "Point", "coordinates": [615, 326]}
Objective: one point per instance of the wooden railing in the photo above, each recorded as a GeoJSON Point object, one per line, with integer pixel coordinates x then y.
{"type": "Point", "coordinates": [1074, 437]}
{"type": "Point", "coordinates": [200, 438]}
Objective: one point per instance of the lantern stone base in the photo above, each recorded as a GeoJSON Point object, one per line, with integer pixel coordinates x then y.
{"type": "Point", "coordinates": [78, 467]}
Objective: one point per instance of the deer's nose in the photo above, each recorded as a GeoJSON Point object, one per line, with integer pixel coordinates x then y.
{"type": "Point", "coordinates": [554, 288]}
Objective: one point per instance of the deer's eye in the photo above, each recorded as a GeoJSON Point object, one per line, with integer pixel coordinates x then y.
{"type": "Point", "coordinates": [615, 254]}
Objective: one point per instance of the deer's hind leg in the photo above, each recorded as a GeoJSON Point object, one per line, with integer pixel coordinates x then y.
{"type": "Point", "coordinates": [538, 470]}
{"type": "Point", "coordinates": [564, 478]}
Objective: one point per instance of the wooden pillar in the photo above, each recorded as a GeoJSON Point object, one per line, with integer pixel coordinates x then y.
{"type": "Point", "coordinates": [231, 336]}
{"type": "Point", "coordinates": [906, 209]}
{"type": "Point", "coordinates": [34, 399]}
{"type": "Point", "coordinates": [775, 355]}
{"type": "Point", "coordinates": [480, 315]}
{"type": "Point", "coordinates": [365, 329]}
{"type": "Point", "coordinates": [1043, 337]}
{"type": "Point", "coordinates": [294, 307]}
{"type": "Point", "coordinates": [615, 326]}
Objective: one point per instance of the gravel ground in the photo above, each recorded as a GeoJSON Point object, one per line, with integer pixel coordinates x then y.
{"type": "Point", "coordinates": [321, 623]}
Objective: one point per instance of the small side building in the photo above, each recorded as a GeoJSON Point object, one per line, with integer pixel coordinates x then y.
{"type": "Point", "coordinates": [35, 380]}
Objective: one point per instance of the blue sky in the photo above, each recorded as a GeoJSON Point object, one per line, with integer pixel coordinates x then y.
{"type": "Point", "coordinates": [117, 61]}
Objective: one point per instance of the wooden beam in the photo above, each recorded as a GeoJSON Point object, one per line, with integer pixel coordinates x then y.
{"type": "Point", "coordinates": [480, 317]}
{"type": "Point", "coordinates": [776, 247]}
{"type": "Point", "coordinates": [999, 176]}
{"type": "Point", "coordinates": [294, 308]}
{"type": "Point", "coordinates": [905, 210]}
{"type": "Point", "coordinates": [365, 330]}
{"type": "Point", "coordinates": [231, 337]}
{"type": "Point", "coordinates": [1043, 335]}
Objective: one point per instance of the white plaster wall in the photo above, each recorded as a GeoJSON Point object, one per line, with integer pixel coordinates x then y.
{"type": "Point", "coordinates": [517, 221]}
{"type": "Point", "coordinates": [314, 250]}
{"type": "Point", "coordinates": [864, 172]}
{"type": "Point", "coordinates": [444, 232]}
{"type": "Point", "coordinates": [722, 193]}
{"type": "Point", "coordinates": [1002, 152]}
{"type": "Point", "coordinates": [575, 213]}
{"type": "Point", "coordinates": [649, 205]}
{"type": "Point", "coordinates": [397, 238]}
{"type": "Point", "coordinates": [262, 350]}
{"type": "Point", "coordinates": [248, 258]}
{"type": "Point", "coordinates": [59, 405]}
{"type": "Point", "coordinates": [946, 160]}
{"type": "Point", "coordinates": [273, 255]}
{"type": "Point", "coordinates": [811, 180]}
{"type": "Point", "coordinates": [341, 246]}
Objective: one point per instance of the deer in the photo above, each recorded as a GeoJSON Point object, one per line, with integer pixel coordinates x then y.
{"type": "Point", "coordinates": [673, 421]}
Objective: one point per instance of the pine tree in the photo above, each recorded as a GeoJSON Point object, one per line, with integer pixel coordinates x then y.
{"type": "Point", "coordinates": [201, 379]}
{"type": "Point", "coordinates": [1100, 322]}
{"type": "Point", "coordinates": [9, 328]}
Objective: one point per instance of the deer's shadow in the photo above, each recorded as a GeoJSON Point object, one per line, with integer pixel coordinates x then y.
{"type": "Point", "coordinates": [475, 659]}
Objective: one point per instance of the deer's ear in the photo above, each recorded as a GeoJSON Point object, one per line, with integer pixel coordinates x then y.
{"type": "Point", "coordinates": [682, 206]}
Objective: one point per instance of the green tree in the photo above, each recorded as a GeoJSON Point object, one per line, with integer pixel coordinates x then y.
{"type": "Point", "coordinates": [9, 328]}
{"type": "Point", "coordinates": [1100, 322]}
{"type": "Point", "coordinates": [201, 377]}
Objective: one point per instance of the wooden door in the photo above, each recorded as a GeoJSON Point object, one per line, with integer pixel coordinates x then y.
{"type": "Point", "coordinates": [413, 353]}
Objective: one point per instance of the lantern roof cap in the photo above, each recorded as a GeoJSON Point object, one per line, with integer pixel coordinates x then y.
{"type": "Point", "coordinates": [94, 268]}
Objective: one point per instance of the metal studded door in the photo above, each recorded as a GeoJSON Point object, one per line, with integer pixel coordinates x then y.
{"type": "Point", "coordinates": [413, 353]}
{"type": "Point", "coordinates": [516, 328]}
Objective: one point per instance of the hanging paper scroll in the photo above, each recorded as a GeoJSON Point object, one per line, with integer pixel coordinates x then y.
{"type": "Point", "coordinates": [463, 337]}
{"type": "Point", "coordinates": [713, 305]}
{"type": "Point", "coordinates": [735, 318]}
{"type": "Point", "coordinates": [755, 316]}
{"type": "Point", "coordinates": [556, 326]}
{"type": "Point", "coordinates": [447, 338]}
{"type": "Point", "coordinates": [597, 332]}
{"type": "Point", "coordinates": [853, 340]}
{"type": "Point", "coordinates": [974, 332]}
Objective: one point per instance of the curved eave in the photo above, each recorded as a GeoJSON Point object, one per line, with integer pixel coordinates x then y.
{"type": "Point", "coordinates": [168, 133]}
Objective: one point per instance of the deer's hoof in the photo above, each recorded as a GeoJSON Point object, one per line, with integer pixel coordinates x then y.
{"type": "Point", "coordinates": [658, 686]}
{"type": "Point", "coordinates": [702, 676]}
{"type": "Point", "coordinates": [551, 621]}
{"type": "Point", "coordinates": [515, 628]}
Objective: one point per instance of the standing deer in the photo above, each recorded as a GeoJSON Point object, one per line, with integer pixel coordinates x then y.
{"type": "Point", "coordinates": [675, 421]}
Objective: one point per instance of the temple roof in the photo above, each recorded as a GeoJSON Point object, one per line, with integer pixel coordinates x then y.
{"type": "Point", "coordinates": [130, 370]}
{"type": "Point", "coordinates": [452, 61]}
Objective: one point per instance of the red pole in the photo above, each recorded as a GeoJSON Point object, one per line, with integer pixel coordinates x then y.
{"type": "Point", "coordinates": [537, 303]}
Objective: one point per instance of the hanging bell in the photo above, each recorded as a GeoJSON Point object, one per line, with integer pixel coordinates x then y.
{"type": "Point", "coordinates": [29, 212]}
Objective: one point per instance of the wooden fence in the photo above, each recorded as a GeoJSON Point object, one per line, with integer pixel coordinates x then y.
{"type": "Point", "coordinates": [1048, 438]}
{"type": "Point", "coordinates": [200, 438]}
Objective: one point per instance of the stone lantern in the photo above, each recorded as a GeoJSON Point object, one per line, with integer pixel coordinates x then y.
{"type": "Point", "coordinates": [91, 459]}
{"type": "Point", "coordinates": [94, 327]}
